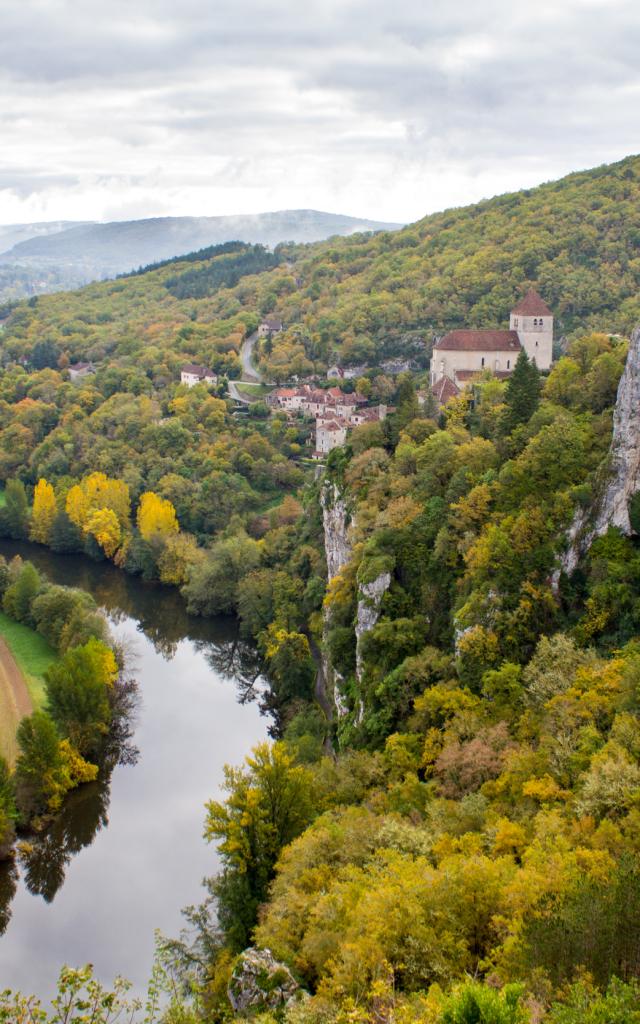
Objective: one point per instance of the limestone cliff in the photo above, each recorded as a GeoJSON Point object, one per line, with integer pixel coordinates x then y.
{"type": "Point", "coordinates": [369, 600]}
{"type": "Point", "coordinates": [336, 521]}
{"type": "Point", "coordinates": [622, 471]}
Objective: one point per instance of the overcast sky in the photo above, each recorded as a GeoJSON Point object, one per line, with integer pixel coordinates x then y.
{"type": "Point", "coordinates": [381, 108]}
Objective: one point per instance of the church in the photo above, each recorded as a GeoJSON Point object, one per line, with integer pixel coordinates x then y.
{"type": "Point", "coordinates": [461, 355]}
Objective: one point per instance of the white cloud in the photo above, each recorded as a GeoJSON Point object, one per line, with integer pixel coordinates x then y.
{"type": "Point", "coordinates": [358, 106]}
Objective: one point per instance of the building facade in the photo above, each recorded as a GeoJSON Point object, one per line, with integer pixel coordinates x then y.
{"type": "Point", "coordinates": [462, 354]}
{"type": "Point", "coordinates": [193, 374]}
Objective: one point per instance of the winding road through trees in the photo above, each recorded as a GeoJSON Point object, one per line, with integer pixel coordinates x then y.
{"type": "Point", "coordinates": [250, 375]}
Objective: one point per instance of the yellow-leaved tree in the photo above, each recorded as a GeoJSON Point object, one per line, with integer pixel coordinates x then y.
{"type": "Point", "coordinates": [98, 491]}
{"type": "Point", "coordinates": [104, 526]}
{"type": "Point", "coordinates": [43, 512]}
{"type": "Point", "coordinates": [100, 506]}
{"type": "Point", "coordinates": [156, 516]}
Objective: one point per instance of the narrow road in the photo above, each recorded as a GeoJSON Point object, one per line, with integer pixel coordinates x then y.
{"type": "Point", "coordinates": [15, 702]}
{"type": "Point", "coordinates": [250, 375]}
{"type": "Point", "coordinates": [249, 372]}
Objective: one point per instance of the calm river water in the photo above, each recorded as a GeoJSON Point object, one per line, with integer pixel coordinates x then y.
{"type": "Point", "coordinates": [127, 855]}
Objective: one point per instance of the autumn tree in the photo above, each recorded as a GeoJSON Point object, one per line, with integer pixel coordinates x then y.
{"type": "Point", "coordinates": [101, 508]}
{"type": "Point", "coordinates": [43, 512]}
{"type": "Point", "coordinates": [156, 517]}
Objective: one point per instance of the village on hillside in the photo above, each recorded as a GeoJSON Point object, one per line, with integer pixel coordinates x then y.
{"type": "Point", "coordinates": [458, 358]}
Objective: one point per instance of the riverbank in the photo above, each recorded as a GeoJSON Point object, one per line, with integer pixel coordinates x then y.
{"type": "Point", "coordinates": [24, 658]}
{"type": "Point", "coordinates": [15, 702]}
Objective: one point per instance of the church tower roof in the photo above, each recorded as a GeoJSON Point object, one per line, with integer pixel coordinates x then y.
{"type": "Point", "coordinates": [532, 304]}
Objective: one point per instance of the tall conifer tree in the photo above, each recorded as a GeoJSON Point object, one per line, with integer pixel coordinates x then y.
{"type": "Point", "coordinates": [523, 393]}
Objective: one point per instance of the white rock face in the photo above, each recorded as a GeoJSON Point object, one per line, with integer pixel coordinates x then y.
{"type": "Point", "coordinates": [623, 471]}
{"type": "Point", "coordinates": [338, 548]}
{"type": "Point", "coordinates": [369, 600]}
{"type": "Point", "coordinates": [335, 517]}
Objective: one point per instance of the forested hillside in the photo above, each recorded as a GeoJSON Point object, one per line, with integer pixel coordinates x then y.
{"type": "Point", "coordinates": [447, 828]}
{"type": "Point", "coordinates": [370, 296]}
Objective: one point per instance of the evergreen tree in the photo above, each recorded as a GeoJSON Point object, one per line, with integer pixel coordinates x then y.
{"type": "Point", "coordinates": [523, 393]}
{"type": "Point", "coordinates": [407, 401]}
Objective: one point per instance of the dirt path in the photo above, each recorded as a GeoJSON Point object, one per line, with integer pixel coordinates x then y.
{"type": "Point", "coordinates": [15, 701]}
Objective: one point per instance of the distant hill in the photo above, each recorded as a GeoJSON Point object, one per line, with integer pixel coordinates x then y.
{"type": "Point", "coordinates": [13, 234]}
{"type": "Point", "coordinates": [70, 255]}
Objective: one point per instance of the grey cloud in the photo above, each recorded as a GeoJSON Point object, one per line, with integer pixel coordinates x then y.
{"type": "Point", "coordinates": [149, 94]}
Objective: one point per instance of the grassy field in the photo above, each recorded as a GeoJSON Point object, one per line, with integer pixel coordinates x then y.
{"type": "Point", "coordinates": [254, 390]}
{"type": "Point", "coordinates": [32, 654]}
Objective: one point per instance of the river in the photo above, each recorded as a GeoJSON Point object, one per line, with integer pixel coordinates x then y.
{"type": "Point", "coordinates": [127, 855]}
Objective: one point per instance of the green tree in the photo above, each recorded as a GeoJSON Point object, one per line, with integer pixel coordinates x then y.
{"type": "Point", "coordinates": [522, 394]}
{"type": "Point", "coordinates": [65, 536]}
{"type": "Point", "coordinates": [7, 809]}
{"type": "Point", "coordinates": [15, 514]}
{"type": "Point", "coordinates": [269, 802]}
{"type": "Point", "coordinates": [77, 690]}
{"type": "Point", "coordinates": [473, 1003]}
{"type": "Point", "coordinates": [20, 595]}
{"type": "Point", "coordinates": [39, 766]}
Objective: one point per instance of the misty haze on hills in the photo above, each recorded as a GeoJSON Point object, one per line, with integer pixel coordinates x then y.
{"type": "Point", "coordinates": [37, 258]}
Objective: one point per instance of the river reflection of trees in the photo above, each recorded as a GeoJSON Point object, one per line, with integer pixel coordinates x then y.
{"type": "Point", "coordinates": [162, 618]}
{"type": "Point", "coordinates": [43, 857]}
{"type": "Point", "coordinates": [160, 613]}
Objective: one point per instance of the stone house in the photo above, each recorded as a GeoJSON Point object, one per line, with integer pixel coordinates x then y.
{"type": "Point", "coordinates": [270, 325]}
{"type": "Point", "coordinates": [77, 371]}
{"type": "Point", "coordinates": [330, 434]}
{"type": "Point", "coordinates": [193, 374]}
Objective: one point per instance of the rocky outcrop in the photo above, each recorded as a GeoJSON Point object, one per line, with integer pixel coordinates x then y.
{"type": "Point", "coordinates": [337, 545]}
{"type": "Point", "coordinates": [369, 600]}
{"type": "Point", "coordinates": [622, 470]}
{"type": "Point", "coordinates": [260, 982]}
{"type": "Point", "coordinates": [336, 521]}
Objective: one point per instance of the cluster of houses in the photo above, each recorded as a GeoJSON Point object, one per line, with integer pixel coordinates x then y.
{"type": "Point", "coordinates": [335, 412]}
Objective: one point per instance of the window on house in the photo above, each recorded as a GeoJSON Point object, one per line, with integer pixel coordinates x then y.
{"type": "Point", "coordinates": [482, 361]}
{"type": "Point", "coordinates": [515, 321]}
{"type": "Point", "coordinates": [508, 364]}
